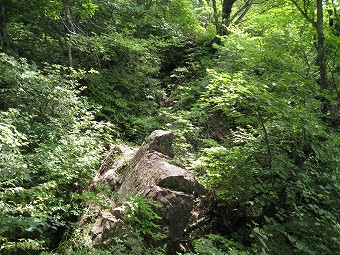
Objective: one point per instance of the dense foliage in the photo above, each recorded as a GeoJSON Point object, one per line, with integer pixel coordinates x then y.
{"type": "Point", "coordinates": [50, 147]}
{"type": "Point", "coordinates": [250, 89]}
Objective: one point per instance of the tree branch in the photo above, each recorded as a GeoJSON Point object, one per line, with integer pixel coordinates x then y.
{"type": "Point", "coordinates": [245, 8]}
{"type": "Point", "coordinates": [304, 13]}
{"type": "Point", "coordinates": [239, 11]}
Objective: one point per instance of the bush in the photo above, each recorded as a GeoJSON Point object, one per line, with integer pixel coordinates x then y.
{"type": "Point", "coordinates": [275, 171]}
{"type": "Point", "coordinates": [50, 148]}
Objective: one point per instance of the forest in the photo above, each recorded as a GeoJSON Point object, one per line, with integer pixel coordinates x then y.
{"type": "Point", "coordinates": [249, 88]}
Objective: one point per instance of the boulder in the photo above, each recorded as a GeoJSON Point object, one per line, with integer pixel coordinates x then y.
{"type": "Point", "coordinates": [148, 173]}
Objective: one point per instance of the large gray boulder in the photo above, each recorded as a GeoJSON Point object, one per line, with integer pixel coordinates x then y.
{"type": "Point", "coordinates": [148, 172]}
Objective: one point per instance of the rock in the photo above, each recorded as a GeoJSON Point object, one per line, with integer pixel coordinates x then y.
{"type": "Point", "coordinates": [175, 212]}
{"type": "Point", "coordinates": [160, 141]}
{"type": "Point", "coordinates": [150, 174]}
{"type": "Point", "coordinates": [115, 160]}
{"type": "Point", "coordinates": [153, 169]}
{"type": "Point", "coordinates": [105, 228]}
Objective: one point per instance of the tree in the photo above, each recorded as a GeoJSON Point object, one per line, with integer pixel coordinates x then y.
{"type": "Point", "coordinates": [306, 8]}
{"type": "Point", "coordinates": [71, 29]}
{"type": "Point", "coordinates": [228, 16]}
{"type": "Point", "coordinates": [267, 153]}
{"type": "Point", "coordinates": [227, 6]}
{"type": "Point", "coordinates": [2, 23]}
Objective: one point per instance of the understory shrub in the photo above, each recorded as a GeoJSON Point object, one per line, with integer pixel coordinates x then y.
{"type": "Point", "coordinates": [50, 148]}
{"type": "Point", "coordinates": [275, 172]}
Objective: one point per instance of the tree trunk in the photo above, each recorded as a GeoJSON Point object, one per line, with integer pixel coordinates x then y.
{"type": "Point", "coordinates": [321, 58]}
{"type": "Point", "coordinates": [217, 23]}
{"type": "Point", "coordinates": [2, 24]}
{"type": "Point", "coordinates": [71, 32]}
{"type": "Point", "coordinates": [318, 25]}
{"type": "Point", "coordinates": [227, 6]}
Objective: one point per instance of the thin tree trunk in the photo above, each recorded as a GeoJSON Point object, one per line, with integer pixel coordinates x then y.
{"type": "Point", "coordinates": [242, 12]}
{"type": "Point", "coordinates": [217, 23]}
{"type": "Point", "coordinates": [72, 32]}
{"type": "Point", "coordinates": [318, 25]}
{"type": "Point", "coordinates": [321, 58]}
{"type": "Point", "coordinates": [336, 21]}
{"type": "Point", "coordinates": [266, 139]}
{"type": "Point", "coordinates": [2, 24]}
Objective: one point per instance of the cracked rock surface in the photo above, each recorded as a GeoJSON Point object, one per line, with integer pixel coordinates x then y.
{"type": "Point", "coordinates": [149, 173]}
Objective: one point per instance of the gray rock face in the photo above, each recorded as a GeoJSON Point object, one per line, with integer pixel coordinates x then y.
{"type": "Point", "coordinates": [150, 174]}
{"type": "Point", "coordinates": [160, 141]}
{"type": "Point", "coordinates": [106, 226]}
